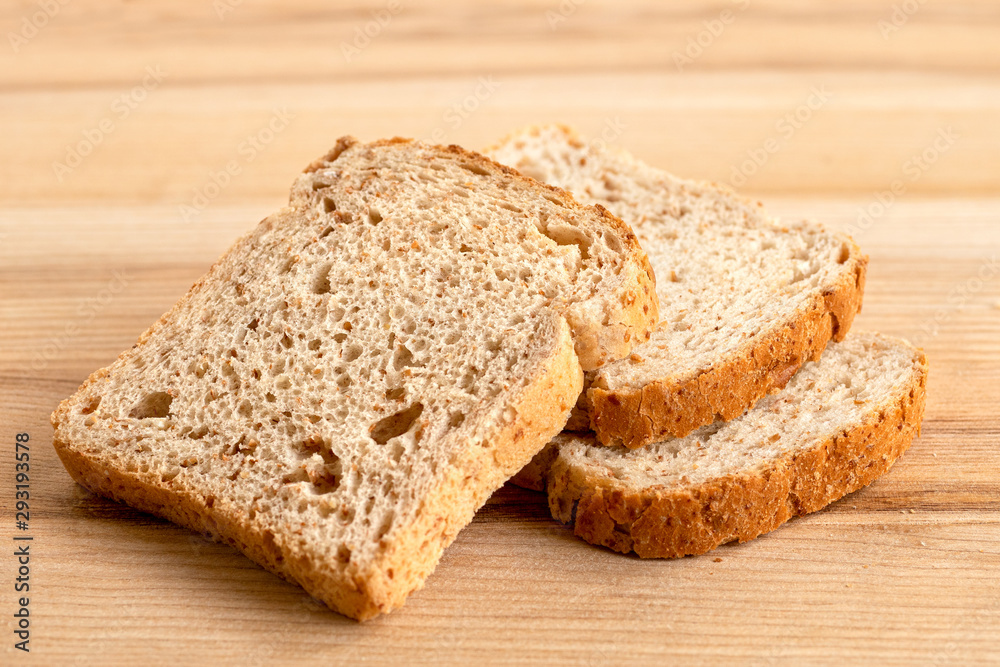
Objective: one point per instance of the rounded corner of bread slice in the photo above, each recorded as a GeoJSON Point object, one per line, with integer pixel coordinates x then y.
{"type": "Point", "coordinates": [745, 300]}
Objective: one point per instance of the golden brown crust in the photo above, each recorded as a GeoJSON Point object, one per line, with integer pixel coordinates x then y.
{"type": "Point", "coordinates": [669, 523]}
{"type": "Point", "coordinates": [669, 408]}
{"type": "Point", "coordinates": [541, 412]}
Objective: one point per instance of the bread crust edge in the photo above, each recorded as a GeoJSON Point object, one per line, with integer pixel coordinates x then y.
{"type": "Point", "coordinates": [658, 523]}
{"type": "Point", "coordinates": [635, 417]}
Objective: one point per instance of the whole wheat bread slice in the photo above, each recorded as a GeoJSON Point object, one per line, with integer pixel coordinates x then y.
{"type": "Point", "coordinates": [744, 300]}
{"type": "Point", "coordinates": [355, 377]}
{"type": "Point", "coordinates": [838, 425]}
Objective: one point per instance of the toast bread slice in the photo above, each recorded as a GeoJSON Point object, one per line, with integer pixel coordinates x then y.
{"type": "Point", "coordinates": [837, 426]}
{"type": "Point", "coordinates": [350, 382]}
{"type": "Point", "coordinates": [745, 300]}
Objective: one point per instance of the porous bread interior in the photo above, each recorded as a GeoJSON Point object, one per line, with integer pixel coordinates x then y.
{"type": "Point", "coordinates": [726, 273]}
{"type": "Point", "coordinates": [849, 384]}
{"type": "Point", "coordinates": [329, 371]}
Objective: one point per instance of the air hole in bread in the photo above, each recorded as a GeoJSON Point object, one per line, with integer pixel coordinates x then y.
{"type": "Point", "coordinates": [396, 394]}
{"type": "Point", "coordinates": [468, 381]}
{"type": "Point", "coordinates": [91, 405]}
{"type": "Point", "coordinates": [554, 199]}
{"type": "Point", "coordinates": [568, 235]}
{"type": "Point", "coordinates": [286, 342]}
{"type": "Point", "coordinates": [384, 529]}
{"type": "Point", "coordinates": [352, 352]}
{"type": "Point", "coordinates": [329, 206]}
{"type": "Point", "coordinates": [153, 406]}
{"type": "Point", "coordinates": [510, 207]}
{"type": "Point", "coordinates": [326, 232]}
{"type": "Point", "coordinates": [232, 377]}
{"type": "Point", "coordinates": [845, 253]}
{"type": "Point", "coordinates": [395, 424]}
{"type": "Point", "coordinates": [456, 419]}
{"type": "Point", "coordinates": [374, 217]}
{"type": "Point", "coordinates": [612, 241]}
{"type": "Point", "coordinates": [474, 168]}
{"type": "Point", "coordinates": [315, 344]}
{"type": "Point", "coordinates": [403, 358]}
{"type": "Point", "coordinates": [321, 284]}
{"type": "Point", "coordinates": [324, 482]}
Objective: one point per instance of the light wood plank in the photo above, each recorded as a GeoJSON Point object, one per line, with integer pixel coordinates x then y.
{"type": "Point", "coordinates": [903, 572]}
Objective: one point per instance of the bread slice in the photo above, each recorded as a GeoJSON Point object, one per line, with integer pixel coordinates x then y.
{"type": "Point", "coordinates": [838, 425]}
{"type": "Point", "coordinates": [745, 301]}
{"type": "Point", "coordinates": [351, 381]}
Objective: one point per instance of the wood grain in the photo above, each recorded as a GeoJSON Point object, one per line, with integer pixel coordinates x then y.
{"type": "Point", "coordinates": [903, 572]}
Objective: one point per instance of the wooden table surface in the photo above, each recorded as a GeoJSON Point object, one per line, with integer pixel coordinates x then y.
{"type": "Point", "coordinates": [139, 139]}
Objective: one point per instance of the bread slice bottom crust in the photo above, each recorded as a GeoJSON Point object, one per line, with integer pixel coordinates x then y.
{"type": "Point", "coordinates": [690, 520]}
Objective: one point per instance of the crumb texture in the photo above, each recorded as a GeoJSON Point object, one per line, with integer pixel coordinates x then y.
{"type": "Point", "coordinates": [348, 384]}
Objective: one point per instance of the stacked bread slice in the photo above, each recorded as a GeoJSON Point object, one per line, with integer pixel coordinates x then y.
{"type": "Point", "coordinates": [351, 381]}
{"type": "Point", "coordinates": [687, 450]}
